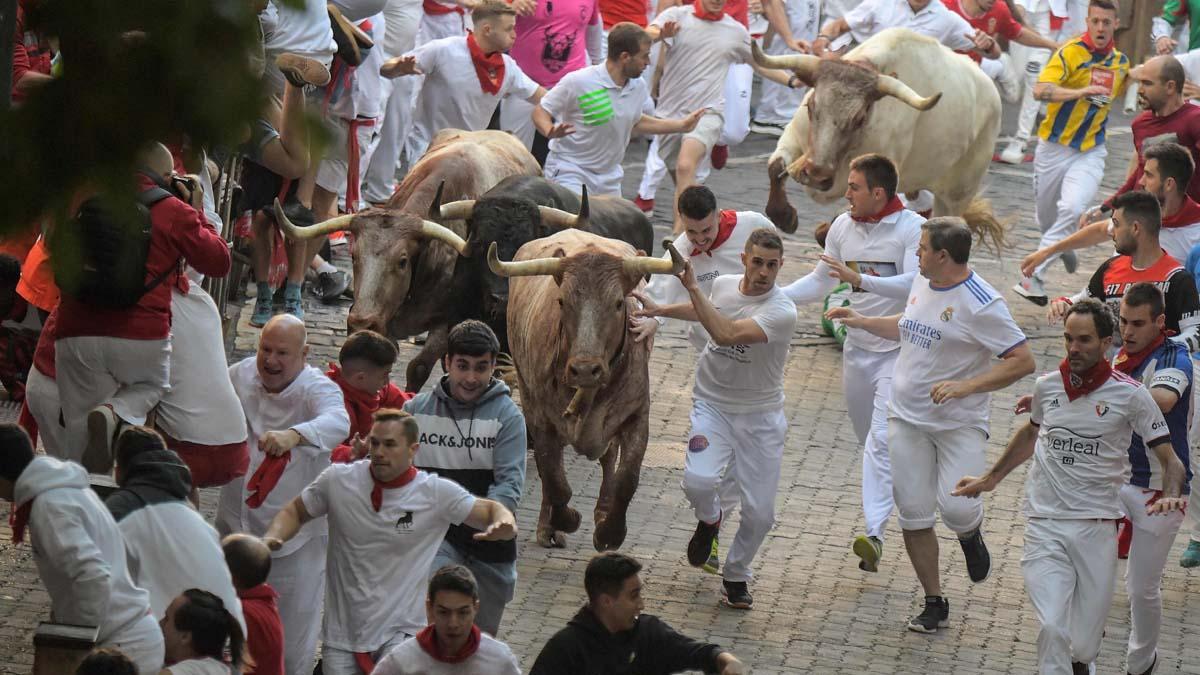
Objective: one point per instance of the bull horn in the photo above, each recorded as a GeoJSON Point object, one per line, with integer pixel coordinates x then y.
{"type": "Point", "coordinates": [524, 268]}
{"type": "Point", "coordinates": [890, 86]}
{"type": "Point", "coordinates": [460, 210]}
{"type": "Point", "coordinates": [558, 218]}
{"type": "Point", "coordinates": [431, 230]}
{"type": "Point", "coordinates": [641, 265]}
{"type": "Point", "coordinates": [312, 231]}
{"type": "Point", "coordinates": [435, 207]}
{"type": "Point", "coordinates": [804, 65]}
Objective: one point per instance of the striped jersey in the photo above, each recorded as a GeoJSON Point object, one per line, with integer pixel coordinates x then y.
{"type": "Point", "coordinates": [1168, 367]}
{"type": "Point", "coordinates": [1080, 124]}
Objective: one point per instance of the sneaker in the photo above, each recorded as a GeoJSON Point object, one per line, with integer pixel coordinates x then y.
{"type": "Point", "coordinates": [646, 205]}
{"type": "Point", "coordinates": [352, 42]}
{"type": "Point", "coordinates": [713, 564]}
{"type": "Point", "coordinates": [1032, 290]}
{"type": "Point", "coordinates": [1078, 668]}
{"type": "Point", "coordinates": [102, 427]}
{"type": "Point", "coordinates": [701, 545]}
{"type": "Point", "coordinates": [736, 594]}
{"type": "Point", "coordinates": [302, 71]}
{"type": "Point", "coordinates": [264, 309]}
{"type": "Point", "coordinates": [1150, 670]}
{"type": "Point", "coordinates": [766, 128]}
{"type": "Point", "coordinates": [1191, 556]}
{"type": "Point", "coordinates": [293, 304]}
{"type": "Point", "coordinates": [870, 549]}
{"type": "Point", "coordinates": [331, 285]}
{"type": "Point", "coordinates": [936, 615]}
{"type": "Point", "coordinates": [1014, 152]}
{"type": "Point", "coordinates": [979, 561]}
{"type": "Point", "coordinates": [720, 155]}
{"type": "Point", "coordinates": [1011, 87]}
{"type": "Point", "coordinates": [1070, 261]}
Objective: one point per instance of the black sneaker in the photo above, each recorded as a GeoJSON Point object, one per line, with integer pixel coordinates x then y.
{"type": "Point", "coordinates": [701, 544]}
{"type": "Point", "coordinates": [331, 285]}
{"type": "Point", "coordinates": [979, 561]}
{"type": "Point", "coordinates": [935, 616]}
{"type": "Point", "coordinates": [736, 594]}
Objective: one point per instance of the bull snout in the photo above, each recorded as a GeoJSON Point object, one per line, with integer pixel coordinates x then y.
{"type": "Point", "coordinates": [815, 176]}
{"type": "Point", "coordinates": [356, 322]}
{"type": "Point", "coordinates": [586, 372]}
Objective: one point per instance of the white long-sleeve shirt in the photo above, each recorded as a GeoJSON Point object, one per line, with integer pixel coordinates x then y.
{"type": "Point", "coordinates": [312, 406]}
{"type": "Point", "coordinates": [884, 253]}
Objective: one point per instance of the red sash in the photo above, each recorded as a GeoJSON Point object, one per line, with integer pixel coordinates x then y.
{"type": "Point", "coordinates": [1080, 385]}
{"type": "Point", "coordinates": [489, 68]}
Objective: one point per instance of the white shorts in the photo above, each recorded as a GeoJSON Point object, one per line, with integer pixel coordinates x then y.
{"type": "Point", "coordinates": [926, 465]}
{"type": "Point", "coordinates": [707, 132]}
{"type": "Point", "coordinates": [334, 167]}
{"type": "Point", "coordinates": [566, 174]}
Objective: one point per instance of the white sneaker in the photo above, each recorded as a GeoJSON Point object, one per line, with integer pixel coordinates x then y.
{"type": "Point", "coordinates": [1009, 84]}
{"type": "Point", "coordinates": [1014, 152]}
{"type": "Point", "coordinates": [1032, 290]}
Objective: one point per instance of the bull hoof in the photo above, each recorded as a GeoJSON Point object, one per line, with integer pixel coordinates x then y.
{"type": "Point", "coordinates": [550, 538]}
{"type": "Point", "coordinates": [786, 220]}
{"type": "Point", "coordinates": [776, 169]}
{"type": "Point", "coordinates": [609, 534]}
{"type": "Point", "coordinates": [565, 519]}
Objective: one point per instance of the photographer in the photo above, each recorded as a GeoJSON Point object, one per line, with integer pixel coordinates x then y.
{"type": "Point", "coordinates": [113, 341]}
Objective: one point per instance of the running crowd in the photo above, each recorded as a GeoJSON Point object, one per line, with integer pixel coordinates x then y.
{"type": "Point", "coordinates": [378, 523]}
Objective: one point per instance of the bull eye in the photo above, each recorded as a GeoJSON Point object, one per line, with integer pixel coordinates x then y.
{"type": "Point", "coordinates": [402, 263]}
{"type": "Point", "coordinates": [620, 303]}
{"type": "Point", "coordinates": [560, 302]}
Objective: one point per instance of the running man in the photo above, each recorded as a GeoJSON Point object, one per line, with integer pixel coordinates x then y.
{"type": "Point", "coordinates": [738, 423]}
{"type": "Point", "coordinates": [951, 328]}
{"type": "Point", "coordinates": [1082, 420]}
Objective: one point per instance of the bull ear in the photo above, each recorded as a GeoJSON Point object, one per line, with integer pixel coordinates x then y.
{"type": "Point", "coordinates": [435, 207]}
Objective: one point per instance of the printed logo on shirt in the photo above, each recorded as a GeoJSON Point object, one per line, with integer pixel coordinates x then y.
{"type": "Point", "coordinates": [948, 314]}
{"type": "Point", "coordinates": [708, 276]}
{"type": "Point", "coordinates": [597, 107]}
{"type": "Point", "coordinates": [448, 441]}
{"type": "Point", "coordinates": [697, 443]}
{"type": "Point", "coordinates": [1101, 409]}
{"type": "Point", "coordinates": [405, 521]}
{"type": "Point", "coordinates": [916, 333]}
{"type": "Point", "coordinates": [874, 268]}
{"type": "Point", "coordinates": [1062, 439]}
{"type": "Point", "coordinates": [1053, 404]}
{"type": "Point", "coordinates": [556, 49]}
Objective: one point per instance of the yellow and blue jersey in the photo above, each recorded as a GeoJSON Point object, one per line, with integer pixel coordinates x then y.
{"type": "Point", "coordinates": [1080, 124]}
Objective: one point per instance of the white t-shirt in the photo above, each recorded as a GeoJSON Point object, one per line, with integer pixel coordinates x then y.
{"type": "Point", "coordinates": [378, 562]}
{"type": "Point", "coordinates": [451, 96]}
{"type": "Point", "coordinates": [603, 115]}
{"type": "Point", "coordinates": [699, 58]}
{"type": "Point", "coordinates": [1081, 459]}
{"type": "Point", "coordinates": [949, 334]}
{"type": "Point", "coordinates": [305, 31]}
{"type": "Point", "coordinates": [884, 253]}
{"type": "Point", "coordinates": [934, 20]}
{"type": "Point", "coordinates": [492, 658]}
{"type": "Point", "coordinates": [665, 289]}
{"type": "Point", "coordinates": [204, 666]}
{"type": "Point", "coordinates": [1179, 240]}
{"type": "Point", "coordinates": [747, 378]}
{"type": "Point", "coordinates": [357, 10]}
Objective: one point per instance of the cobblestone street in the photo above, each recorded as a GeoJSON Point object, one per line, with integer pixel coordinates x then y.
{"type": "Point", "coordinates": [814, 611]}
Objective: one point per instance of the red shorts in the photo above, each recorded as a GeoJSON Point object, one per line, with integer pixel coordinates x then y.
{"type": "Point", "coordinates": [212, 465]}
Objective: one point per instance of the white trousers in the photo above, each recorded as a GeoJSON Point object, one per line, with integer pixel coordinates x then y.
{"type": "Point", "coordinates": [738, 84]}
{"type": "Point", "coordinates": [867, 381]}
{"type": "Point", "coordinates": [926, 465]}
{"type": "Point", "coordinates": [130, 375]}
{"type": "Point", "coordinates": [755, 440]}
{"type": "Point", "coordinates": [142, 642]}
{"type": "Point", "coordinates": [1034, 59]}
{"type": "Point", "coordinates": [41, 393]}
{"type": "Point", "coordinates": [778, 103]}
{"type": "Point", "coordinates": [1152, 540]}
{"type": "Point", "coordinates": [201, 401]}
{"type": "Point", "coordinates": [336, 661]}
{"type": "Point", "coordinates": [299, 579]}
{"type": "Point", "coordinates": [1064, 183]}
{"type": "Point", "coordinates": [560, 170]}
{"type": "Point", "coordinates": [1069, 568]}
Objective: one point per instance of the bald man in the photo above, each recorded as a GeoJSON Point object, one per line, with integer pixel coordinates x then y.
{"type": "Point", "coordinates": [295, 416]}
{"type": "Point", "coordinates": [249, 562]}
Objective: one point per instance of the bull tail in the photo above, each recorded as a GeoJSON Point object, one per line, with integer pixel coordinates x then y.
{"type": "Point", "coordinates": [506, 370]}
{"type": "Point", "coordinates": [987, 228]}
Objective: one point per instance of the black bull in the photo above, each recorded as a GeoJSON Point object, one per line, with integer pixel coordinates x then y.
{"type": "Point", "coordinates": [508, 215]}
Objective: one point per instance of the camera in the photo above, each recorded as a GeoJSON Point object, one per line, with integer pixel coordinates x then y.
{"type": "Point", "coordinates": [184, 187]}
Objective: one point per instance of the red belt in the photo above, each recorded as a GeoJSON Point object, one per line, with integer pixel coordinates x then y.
{"type": "Point", "coordinates": [434, 9]}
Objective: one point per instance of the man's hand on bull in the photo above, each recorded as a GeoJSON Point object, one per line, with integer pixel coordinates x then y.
{"type": "Point", "coordinates": [649, 310]}
{"type": "Point", "coordinates": [560, 130]}
{"type": "Point", "coordinates": [797, 45]}
{"type": "Point", "coordinates": [985, 44]}
{"type": "Point", "coordinates": [687, 277]}
{"type": "Point", "coordinates": [400, 66]}
{"type": "Point", "coordinates": [839, 270]}
{"type": "Point", "coordinates": [1165, 45]}
{"type": "Point", "coordinates": [643, 328]}
{"type": "Point", "coordinates": [278, 442]}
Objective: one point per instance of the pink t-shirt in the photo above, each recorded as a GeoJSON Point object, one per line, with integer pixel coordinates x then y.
{"type": "Point", "coordinates": [553, 42]}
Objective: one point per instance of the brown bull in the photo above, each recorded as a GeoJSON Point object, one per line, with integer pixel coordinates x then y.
{"type": "Point", "coordinates": [583, 380]}
{"type": "Point", "coordinates": [402, 282]}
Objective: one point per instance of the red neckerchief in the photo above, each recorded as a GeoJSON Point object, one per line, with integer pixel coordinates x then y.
{"type": "Point", "coordinates": [1188, 214]}
{"type": "Point", "coordinates": [360, 404]}
{"type": "Point", "coordinates": [725, 225]}
{"type": "Point", "coordinates": [888, 209]}
{"type": "Point", "coordinates": [1086, 38]}
{"type": "Point", "coordinates": [18, 519]}
{"type": "Point", "coordinates": [489, 68]}
{"type": "Point", "coordinates": [1127, 362]}
{"type": "Point", "coordinates": [427, 640]}
{"type": "Point", "coordinates": [700, 13]}
{"type": "Point", "coordinates": [263, 591]}
{"type": "Point", "coordinates": [265, 477]}
{"type": "Point", "coordinates": [435, 9]}
{"type": "Point", "coordinates": [399, 481]}
{"type": "Point", "coordinates": [1090, 381]}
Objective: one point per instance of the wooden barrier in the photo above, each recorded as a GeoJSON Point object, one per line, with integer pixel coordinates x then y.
{"type": "Point", "coordinates": [58, 647]}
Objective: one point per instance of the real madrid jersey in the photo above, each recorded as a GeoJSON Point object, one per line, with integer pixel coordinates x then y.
{"type": "Point", "coordinates": [951, 333]}
{"type": "Point", "coordinates": [1082, 454]}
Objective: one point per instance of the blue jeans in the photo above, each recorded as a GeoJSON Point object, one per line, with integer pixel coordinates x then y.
{"type": "Point", "coordinates": [496, 581]}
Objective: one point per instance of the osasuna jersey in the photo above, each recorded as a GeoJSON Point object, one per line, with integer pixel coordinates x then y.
{"type": "Point", "coordinates": [1169, 367]}
{"type": "Point", "coordinates": [950, 333]}
{"type": "Point", "coordinates": [1082, 454]}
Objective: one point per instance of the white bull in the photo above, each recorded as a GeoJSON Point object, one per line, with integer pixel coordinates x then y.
{"type": "Point", "coordinates": [899, 94]}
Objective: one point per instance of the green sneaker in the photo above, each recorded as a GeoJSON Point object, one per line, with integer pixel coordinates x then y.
{"type": "Point", "coordinates": [870, 549]}
{"type": "Point", "coordinates": [263, 311]}
{"type": "Point", "coordinates": [713, 564]}
{"type": "Point", "coordinates": [1191, 556]}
